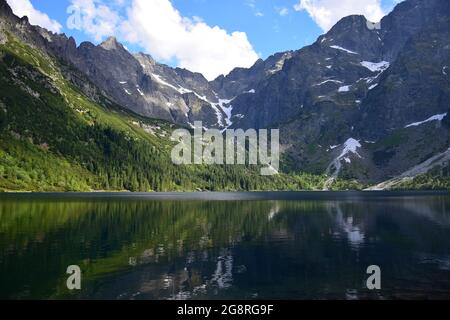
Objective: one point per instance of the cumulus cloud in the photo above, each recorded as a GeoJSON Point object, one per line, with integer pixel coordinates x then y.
{"type": "Point", "coordinates": [282, 11]}
{"type": "Point", "coordinates": [158, 27]}
{"type": "Point", "coordinates": [327, 12]}
{"type": "Point", "coordinates": [94, 18]}
{"type": "Point", "coordinates": [25, 8]}
{"type": "Point", "coordinates": [162, 31]}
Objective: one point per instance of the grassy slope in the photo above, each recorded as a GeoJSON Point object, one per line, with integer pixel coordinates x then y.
{"type": "Point", "coordinates": [53, 138]}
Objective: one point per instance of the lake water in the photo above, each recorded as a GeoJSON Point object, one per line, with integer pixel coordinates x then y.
{"type": "Point", "coordinates": [225, 246]}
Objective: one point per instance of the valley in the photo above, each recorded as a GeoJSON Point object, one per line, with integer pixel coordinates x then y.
{"type": "Point", "coordinates": [360, 107]}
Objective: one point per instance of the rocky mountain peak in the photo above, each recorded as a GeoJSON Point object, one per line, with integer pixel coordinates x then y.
{"type": "Point", "coordinates": [9, 17]}
{"type": "Point", "coordinates": [145, 60]}
{"type": "Point", "coordinates": [357, 34]}
{"type": "Point", "coordinates": [112, 44]}
{"type": "Point", "coordinates": [24, 20]}
{"type": "Point", "coordinates": [349, 23]}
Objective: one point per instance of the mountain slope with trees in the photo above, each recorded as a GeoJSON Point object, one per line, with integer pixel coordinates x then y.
{"type": "Point", "coordinates": [362, 105]}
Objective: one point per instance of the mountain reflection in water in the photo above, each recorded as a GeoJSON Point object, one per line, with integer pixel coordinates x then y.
{"type": "Point", "coordinates": [307, 249]}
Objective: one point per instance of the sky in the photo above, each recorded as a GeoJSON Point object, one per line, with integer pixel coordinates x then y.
{"type": "Point", "coordinates": [207, 36]}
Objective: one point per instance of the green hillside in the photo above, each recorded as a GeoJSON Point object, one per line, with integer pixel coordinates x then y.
{"type": "Point", "coordinates": [54, 138]}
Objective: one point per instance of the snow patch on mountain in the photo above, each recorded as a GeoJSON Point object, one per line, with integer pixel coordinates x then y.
{"type": "Point", "coordinates": [280, 63]}
{"type": "Point", "coordinates": [344, 89]}
{"type": "Point", "coordinates": [376, 66]}
{"type": "Point", "coordinates": [437, 117]}
{"type": "Point", "coordinates": [343, 49]}
{"type": "Point", "coordinates": [218, 107]}
{"type": "Point", "coordinates": [160, 80]}
{"type": "Point", "coordinates": [222, 104]}
{"type": "Point", "coordinates": [179, 89]}
{"type": "Point", "coordinates": [326, 81]}
{"type": "Point", "coordinates": [349, 148]}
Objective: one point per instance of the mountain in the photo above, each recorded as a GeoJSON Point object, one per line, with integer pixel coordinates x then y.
{"type": "Point", "coordinates": [137, 82]}
{"type": "Point", "coordinates": [367, 102]}
{"type": "Point", "coordinates": [343, 103]}
{"type": "Point", "coordinates": [60, 131]}
{"type": "Point", "coordinates": [140, 84]}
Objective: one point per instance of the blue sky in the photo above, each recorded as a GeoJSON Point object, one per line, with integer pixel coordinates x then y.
{"type": "Point", "coordinates": [270, 26]}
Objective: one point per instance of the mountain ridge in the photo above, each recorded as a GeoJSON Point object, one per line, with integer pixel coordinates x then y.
{"type": "Point", "coordinates": [343, 104]}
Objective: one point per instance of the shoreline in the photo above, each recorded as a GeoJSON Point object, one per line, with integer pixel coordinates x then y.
{"type": "Point", "coordinates": [224, 196]}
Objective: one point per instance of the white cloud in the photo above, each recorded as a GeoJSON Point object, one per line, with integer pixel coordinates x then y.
{"type": "Point", "coordinates": [158, 27]}
{"type": "Point", "coordinates": [251, 3]}
{"type": "Point", "coordinates": [327, 12]}
{"type": "Point", "coordinates": [254, 8]}
{"type": "Point", "coordinates": [95, 18]}
{"type": "Point", "coordinates": [25, 8]}
{"type": "Point", "coordinates": [282, 11]}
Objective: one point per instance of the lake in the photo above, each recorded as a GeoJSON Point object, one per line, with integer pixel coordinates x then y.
{"type": "Point", "coordinates": [225, 246]}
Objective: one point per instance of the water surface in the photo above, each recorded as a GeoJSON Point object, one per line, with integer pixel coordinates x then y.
{"type": "Point", "coordinates": [225, 246]}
